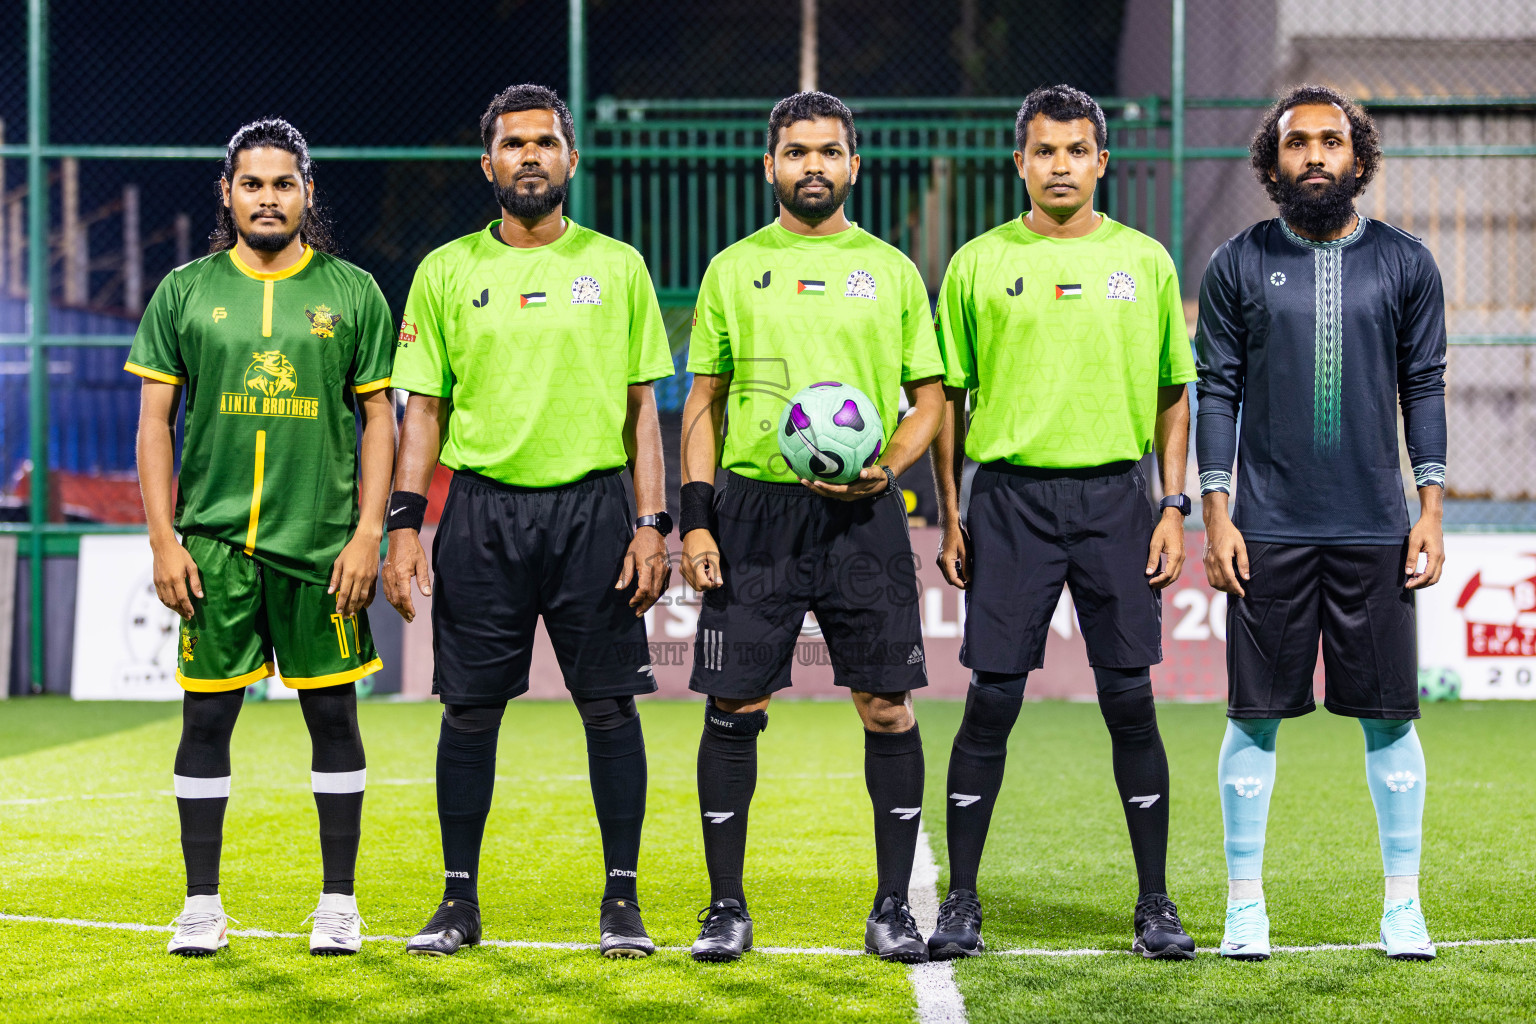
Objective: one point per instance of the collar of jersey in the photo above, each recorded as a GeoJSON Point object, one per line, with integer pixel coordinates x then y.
{"type": "Point", "coordinates": [788, 237]}
{"type": "Point", "coordinates": [1097, 234]}
{"type": "Point", "coordinates": [1337, 243]}
{"type": "Point", "coordinates": [309, 254]}
{"type": "Point", "coordinates": [501, 246]}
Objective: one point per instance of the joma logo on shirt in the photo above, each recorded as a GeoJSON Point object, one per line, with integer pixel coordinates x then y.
{"type": "Point", "coordinates": [270, 383]}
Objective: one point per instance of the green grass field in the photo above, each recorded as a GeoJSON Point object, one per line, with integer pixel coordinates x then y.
{"type": "Point", "coordinates": [88, 831]}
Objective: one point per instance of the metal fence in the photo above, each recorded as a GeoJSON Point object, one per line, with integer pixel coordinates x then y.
{"type": "Point", "coordinates": [119, 123]}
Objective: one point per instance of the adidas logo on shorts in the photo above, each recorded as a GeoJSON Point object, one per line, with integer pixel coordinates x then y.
{"type": "Point", "coordinates": [916, 657]}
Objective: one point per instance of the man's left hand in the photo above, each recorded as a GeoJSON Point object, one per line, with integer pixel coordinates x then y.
{"type": "Point", "coordinates": [646, 563]}
{"type": "Point", "coordinates": [1427, 541]}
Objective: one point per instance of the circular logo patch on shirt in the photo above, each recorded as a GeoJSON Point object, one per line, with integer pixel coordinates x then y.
{"type": "Point", "coordinates": [1277, 279]}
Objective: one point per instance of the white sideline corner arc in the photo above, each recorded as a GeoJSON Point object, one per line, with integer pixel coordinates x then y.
{"type": "Point", "coordinates": [938, 999]}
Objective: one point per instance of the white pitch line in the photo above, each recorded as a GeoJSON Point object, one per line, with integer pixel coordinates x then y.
{"type": "Point", "coordinates": [938, 997]}
{"type": "Point", "coordinates": [262, 933]}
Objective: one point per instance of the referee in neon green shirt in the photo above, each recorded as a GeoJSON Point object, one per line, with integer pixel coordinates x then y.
{"type": "Point", "coordinates": [528, 349]}
{"type": "Point", "coordinates": [1067, 331]}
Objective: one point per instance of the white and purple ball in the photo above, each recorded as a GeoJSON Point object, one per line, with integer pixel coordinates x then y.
{"type": "Point", "coordinates": [830, 431]}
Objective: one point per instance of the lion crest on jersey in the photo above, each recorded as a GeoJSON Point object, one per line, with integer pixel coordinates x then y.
{"type": "Point", "coordinates": [323, 321]}
{"type": "Point", "coordinates": [861, 285]}
{"type": "Point", "coordinates": [270, 374]}
{"type": "Point", "coordinates": [585, 291]}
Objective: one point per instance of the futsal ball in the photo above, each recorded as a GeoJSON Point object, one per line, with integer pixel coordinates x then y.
{"type": "Point", "coordinates": [1437, 684]}
{"type": "Point", "coordinates": [830, 431]}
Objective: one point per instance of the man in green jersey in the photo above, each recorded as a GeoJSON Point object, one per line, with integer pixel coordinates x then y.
{"type": "Point", "coordinates": [528, 349]}
{"type": "Point", "coordinates": [1067, 332]}
{"type": "Point", "coordinates": [808, 298]}
{"type": "Point", "coordinates": [278, 345]}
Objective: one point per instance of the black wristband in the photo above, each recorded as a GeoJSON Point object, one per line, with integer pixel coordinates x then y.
{"type": "Point", "coordinates": [407, 511]}
{"type": "Point", "coordinates": [698, 508]}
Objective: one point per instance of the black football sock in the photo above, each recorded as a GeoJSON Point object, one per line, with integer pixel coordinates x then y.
{"type": "Point", "coordinates": [893, 774]}
{"type": "Point", "coordinates": [727, 779]}
{"type": "Point", "coordinates": [202, 783]}
{"type": "Point", "coordinates": [466, 777]}
{"type": "Point", "coordinates": [616, 767]}
{"type": "Point", "coordinates": [1141, 769]}
{"type": "Point", "coordinates": [976, 763]}
{"type": "Point", "coordinates": [337, 775]}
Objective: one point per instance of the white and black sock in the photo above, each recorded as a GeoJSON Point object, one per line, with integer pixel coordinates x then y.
{"type": "Point", "coordinates": [202, 783]}
{"type": "Point", "coordinates": [338, 774]}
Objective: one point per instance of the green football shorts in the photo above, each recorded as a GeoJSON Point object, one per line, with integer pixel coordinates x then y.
{"type": "Point", "coordinates": [251, 611]}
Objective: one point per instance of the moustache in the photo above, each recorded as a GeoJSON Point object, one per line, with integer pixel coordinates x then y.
{"type": "Point", "coordinates": [814, 179]}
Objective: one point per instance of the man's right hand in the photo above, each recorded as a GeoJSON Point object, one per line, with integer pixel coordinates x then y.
{"type": "Point", "coordinates": [176, 578]}
{"type": "Point", "coordinates": [1226, 556]}
{"type": "Point", "coordinates": [701, 560]}
{"type": "Point", "coordinates": [955, 556]}
{"type": "Point", "coordinates": [406, 559]}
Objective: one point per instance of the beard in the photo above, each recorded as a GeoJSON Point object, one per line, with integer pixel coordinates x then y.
{"type": "Point", "coordinates": [267, 240]}
{"type": "Point", "coordinates": [1318, 210]}
{"type": "Point", "coordinates": [812, 211]}
{"type": "Point", "coordinates": [530, 205]}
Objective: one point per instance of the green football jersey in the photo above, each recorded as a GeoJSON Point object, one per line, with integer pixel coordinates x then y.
{"type": "Point", "coordinates": [536, 347]}
{"type": "Point", "coordinates": [1063, 343]}
{"type": "Point", "coordinates": [781, 311]}
{"type": "Point", "coordinates": [272, 365]}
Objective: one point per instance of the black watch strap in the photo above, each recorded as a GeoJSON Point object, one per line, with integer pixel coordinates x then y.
{"type": "Point", "coordinates": [1178, 501]}
{"type": "Point", "coordinates": [661, 522]}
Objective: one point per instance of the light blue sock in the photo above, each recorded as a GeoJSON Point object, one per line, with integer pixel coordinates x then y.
{"type": "Point", "coordinates": [1394, 767]}
{"type": "Point", "coordinates": [1246, 774]}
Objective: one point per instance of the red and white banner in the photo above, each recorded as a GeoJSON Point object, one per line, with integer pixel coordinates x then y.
{"type": "Point", "coordinates": [1477, 626]}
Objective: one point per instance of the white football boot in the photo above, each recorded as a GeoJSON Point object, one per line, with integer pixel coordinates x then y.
{"type": "Point", "coordinates": [202, 928]}
{"type": "Point", "coordinates": [338, 926]}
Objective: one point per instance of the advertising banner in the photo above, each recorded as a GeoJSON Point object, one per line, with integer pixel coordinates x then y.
{"type": "Point", "coordinates": [1477, 626]}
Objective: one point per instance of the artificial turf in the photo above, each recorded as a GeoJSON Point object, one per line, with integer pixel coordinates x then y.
{"type": "Point", "coordinates": [88, 831]}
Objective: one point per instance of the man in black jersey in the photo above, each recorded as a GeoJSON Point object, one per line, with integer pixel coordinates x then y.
{"type": "Point", "coordinates": [1318, 325]}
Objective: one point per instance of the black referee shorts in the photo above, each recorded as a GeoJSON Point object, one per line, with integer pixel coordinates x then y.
{"type": "Point", "coordinates": [1350, 595]}
{"type": "Point", "coordinates": [1032, 530]}
{"type": "Point", "coordinates": [784, 552]}
{"type": "Point", "coordinates": [506, 555]}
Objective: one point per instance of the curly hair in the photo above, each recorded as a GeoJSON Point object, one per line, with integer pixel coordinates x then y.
{"type": "Point", "coordinates": [1063, 104]}
{"type": "Point", "coordinates": [272, 133]}
{"type": "Point", "coordinates": [526, 97]}
{"type": "Point", "coordinates": [1264, 149]}
{"type": "Point", "coordinates": [808, 106]}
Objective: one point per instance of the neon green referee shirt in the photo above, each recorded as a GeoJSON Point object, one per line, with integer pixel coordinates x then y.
{"type": "Point", "coordinates": [1063, 343]}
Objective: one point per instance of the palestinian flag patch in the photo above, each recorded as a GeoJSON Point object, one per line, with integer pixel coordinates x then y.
{"type": "Point", "coordinates": [1069, 291]}
{"type": "Point", "coordinates": [811, 288]}
{"type": "Point", "coordinates": [532, 299]}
